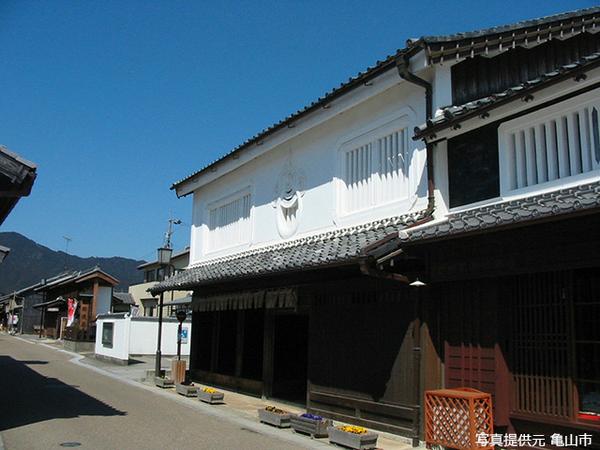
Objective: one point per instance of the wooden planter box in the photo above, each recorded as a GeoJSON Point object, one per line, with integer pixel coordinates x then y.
{"type": "Point", "coordinates": [212, 398]}
{"type": "Point", "coordinates": [163, 382]}
{"type": "Point", "coordinates": [187, 390]}
{"type": "Point", "coordinates": [352, 440]}
{"type": "Point", "coordinates": [278, 420]}
{"type": "Point", "coordinates": [315, 428]}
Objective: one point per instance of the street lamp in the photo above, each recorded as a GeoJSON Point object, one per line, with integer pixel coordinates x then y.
{"type": "Point", "coordinates": [164, 256]}
{"type": "Point", "coordinates": [417, 286]}
{"type": "Point", "coordinates": [164, 259]}
{"type": "Point", "coordinates": [181, 316]}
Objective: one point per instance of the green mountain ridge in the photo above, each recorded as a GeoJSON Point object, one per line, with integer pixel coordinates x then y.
{"type": "Point", "coordinates": [30, 262]}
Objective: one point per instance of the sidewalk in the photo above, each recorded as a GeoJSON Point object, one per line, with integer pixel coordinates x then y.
{"type": "Point", "coordinates": [238, 404]}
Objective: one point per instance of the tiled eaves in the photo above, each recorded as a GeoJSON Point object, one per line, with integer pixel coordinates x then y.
{"type": "Point", "coordinates": [500, 38]}
{"type": "Point", "coordinates": [331, 248]}
{"type": "Point", "coordinates": [452, 115]}
{"type": "Point", "coordinates": [552, 204]}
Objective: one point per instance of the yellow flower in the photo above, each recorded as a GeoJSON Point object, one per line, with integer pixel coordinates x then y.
{"type": "Point", "coordinates": [209, 390]}
{"type": "Point", "coordinates": [353, 429]}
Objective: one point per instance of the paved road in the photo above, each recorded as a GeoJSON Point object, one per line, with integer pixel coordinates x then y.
{"type": "Point", "coordinates": [47, 400]}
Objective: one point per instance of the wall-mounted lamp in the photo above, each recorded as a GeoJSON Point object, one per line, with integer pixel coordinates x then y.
{"type": "Point", "coordinates": [417, 283]}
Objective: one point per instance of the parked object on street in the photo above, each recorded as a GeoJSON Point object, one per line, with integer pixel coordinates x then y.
{"type": "Point", "coordinates": [310, 424]}
{"type": "Point", "coordinates": [163, 382]}
{"type": "Point", "coordinates": [178, 371]}
{"type": "Point", "coordinates": [274, 416]}
{"type": "Point", "coordinates": [353, 437]}
{"type": "Point", "coordinates": [454, 417]}
{"type": "Point", "coordinates": [210, 395]}
{"type": "Point", "coordinates": [187, 390]}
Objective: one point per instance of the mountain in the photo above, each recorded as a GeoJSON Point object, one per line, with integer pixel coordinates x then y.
{"type": "Point", "coordinates": [28, 262]}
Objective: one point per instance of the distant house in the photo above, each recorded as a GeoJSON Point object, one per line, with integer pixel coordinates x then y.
{"type": "Point", "coordinates": [21, 303]}
{"type": "Point", "coordinates": [153, 274]}
{"type": "Point", "coordinates": [122, 302]}
{"type": "Point", "coordinates": [93, 291]}
{"type": "Point", "coordinates": [16, 180]}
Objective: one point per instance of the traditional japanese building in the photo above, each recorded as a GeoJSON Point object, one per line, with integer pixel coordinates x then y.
{"type": "Point", "coordinates": [93, 291]}
{"type": "Point", "coordinates": [470, 162]}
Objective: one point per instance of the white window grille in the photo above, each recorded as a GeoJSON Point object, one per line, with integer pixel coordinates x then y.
{"type": "Point", "coordinates": [229, 223]}
{"type": "Point", "coordinates": [376, 172]}
{"type": "Point", "coordinates": [562, 141]}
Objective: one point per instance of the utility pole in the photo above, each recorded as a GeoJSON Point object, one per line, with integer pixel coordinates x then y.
{"type": "Point", "coordinates": [67, 241]}
{"type": "Point", "coordinates": [170, 231]}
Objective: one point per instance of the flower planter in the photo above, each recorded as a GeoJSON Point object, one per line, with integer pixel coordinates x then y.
{"type": "Point", "coordinates": [315, 426]}
{"type": "Point", "coordinates": [366, 440]}
{"type": "Point", "coordinates": [210, 397]}
{"type": "Point", "coordinates": [280, 420]}
{"type": "Point", "coordinates": [187, 390]}
{"type": "Point", "coordinates": [163, 382]}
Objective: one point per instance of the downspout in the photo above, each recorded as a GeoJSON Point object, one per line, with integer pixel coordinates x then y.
{"type": "Point", "coordinates": [402, 64]}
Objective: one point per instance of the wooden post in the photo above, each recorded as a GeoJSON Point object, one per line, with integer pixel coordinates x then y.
{"type": "Point", "coordinates": [268, 351]}
{"type": "Point", "coordinates": [417, 363]}
{"type": "Point", "coordinates": [42, 317]}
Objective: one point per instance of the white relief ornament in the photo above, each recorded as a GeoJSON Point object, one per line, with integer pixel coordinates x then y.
{"type": "Point", "coordinates": [289, 191]}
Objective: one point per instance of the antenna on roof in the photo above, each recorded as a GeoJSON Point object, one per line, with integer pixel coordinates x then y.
{"type": "Point", "coordinates": [170, 231]}
{"type": "Point", "coordinates": [67, 241]}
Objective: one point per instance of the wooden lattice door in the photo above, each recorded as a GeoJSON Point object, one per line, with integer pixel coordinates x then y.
{"type": "Point", "coordinates": [541, 333]}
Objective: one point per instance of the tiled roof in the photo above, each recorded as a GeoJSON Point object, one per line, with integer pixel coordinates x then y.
{"type": "Point", "coordinates": [124, 297]}
{"type": "Point", "coordinates": [437, 48]}
{"type": "Point", "coordinates": [455, 114]}
{"type": "Point", "coordinates": [556, 203]}
{"type": "Point", "coordinates": [485, 41]}
{"type": "Point", "coordinates": [333, 247]}
{"type": "Point", "coordinates": [72, 277]}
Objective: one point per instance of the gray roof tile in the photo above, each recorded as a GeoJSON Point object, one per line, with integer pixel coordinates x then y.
{"type": "Point", "coordinates": [333, 247]}
{"type": "Point", "coordinates": [559, 202]}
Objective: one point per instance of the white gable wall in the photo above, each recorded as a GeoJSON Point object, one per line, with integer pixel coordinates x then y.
{"type": "Point", "coordinates": [311, 163]}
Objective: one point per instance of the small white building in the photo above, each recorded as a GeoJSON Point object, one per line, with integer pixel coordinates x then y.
{"type": "Point", "coordinates": [120, 337]}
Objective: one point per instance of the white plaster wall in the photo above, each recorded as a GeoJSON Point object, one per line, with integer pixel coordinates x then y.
{"type": "Point", "coordinates": [144, 335]}
{"type": "Point", "coordinates": [314, 154]}
{"type": "Point", "coordinates": [120, 348]}
{"type": "Point", "coordinates": [103, 301]}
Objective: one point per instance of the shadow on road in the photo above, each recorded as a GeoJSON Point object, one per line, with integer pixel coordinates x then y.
{"type": "Point", "coordinates": [29, 397]}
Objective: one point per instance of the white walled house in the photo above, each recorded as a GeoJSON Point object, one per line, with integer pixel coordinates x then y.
{"type": "Point", "coordinates": [352, 164]}
{"type": "Point", "coordinates": [154, 274]}
{"type": "Point", "coordinates": [470, 162]}
{"type": "Point", "coordinates": [121, 337]}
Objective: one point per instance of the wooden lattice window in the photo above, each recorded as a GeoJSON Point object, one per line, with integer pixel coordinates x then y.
{"type": "Point", "coordinates": [542, 357]}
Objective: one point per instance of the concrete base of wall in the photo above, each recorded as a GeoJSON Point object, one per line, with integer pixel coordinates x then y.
{"type": "Point", "coordinates": [79, 346]}
{"type": "Point", "coordinates": [121, 362]}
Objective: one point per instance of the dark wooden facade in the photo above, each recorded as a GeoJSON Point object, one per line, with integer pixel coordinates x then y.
{"type": "Point", "coordinates": [346, 351]}
{"type": "Point", "coordinates": [517, 317]}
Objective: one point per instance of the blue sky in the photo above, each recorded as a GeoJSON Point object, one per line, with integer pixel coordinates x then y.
{"type": "Point", "coordinates": [116, 100]}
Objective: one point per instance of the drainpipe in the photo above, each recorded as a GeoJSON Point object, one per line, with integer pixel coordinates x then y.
{"type": "Point", "coordinates": [402, 64]}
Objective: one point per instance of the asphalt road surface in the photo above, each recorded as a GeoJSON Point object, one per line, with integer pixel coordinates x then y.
{"type": "Point", "coordinates": [47, 400]}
